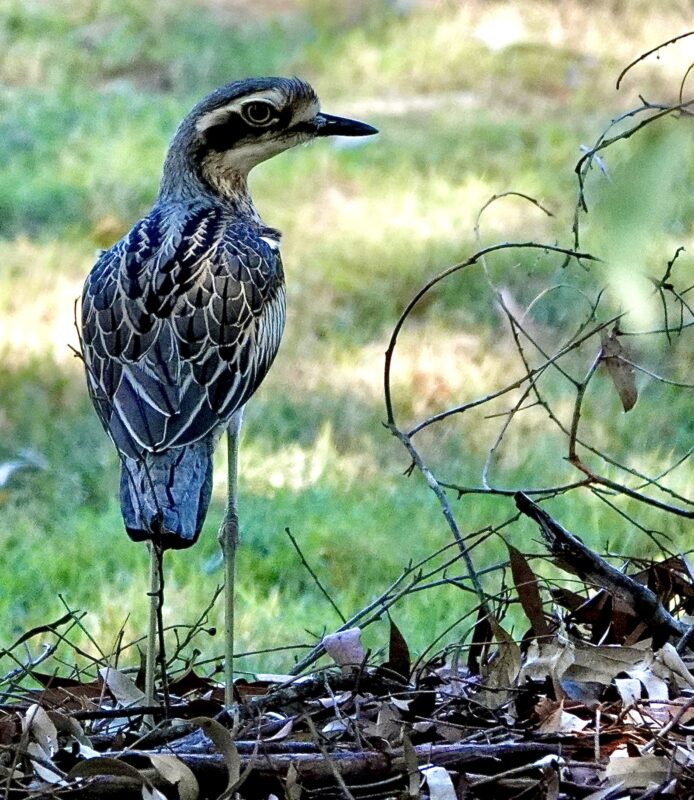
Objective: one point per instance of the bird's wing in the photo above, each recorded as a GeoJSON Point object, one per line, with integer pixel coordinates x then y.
{"type": "Point", "coordinates": [181, 320]}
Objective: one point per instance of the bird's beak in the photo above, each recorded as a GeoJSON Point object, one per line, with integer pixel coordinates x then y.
{"type": "Point", "coordinates": [328, 125]}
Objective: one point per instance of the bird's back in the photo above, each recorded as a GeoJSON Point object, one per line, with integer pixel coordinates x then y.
{"type": "Point", "coordinates": [181, 320]}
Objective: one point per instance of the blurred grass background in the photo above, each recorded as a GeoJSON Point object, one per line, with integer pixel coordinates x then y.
{"type": "Point", "coordinates": [472, 99]}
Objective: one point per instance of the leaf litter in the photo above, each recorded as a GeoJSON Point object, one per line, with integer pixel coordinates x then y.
{"type": "Point", "coordinates": [556, 702]}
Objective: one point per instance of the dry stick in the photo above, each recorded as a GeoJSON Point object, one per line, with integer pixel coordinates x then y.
{"type": "Point", "coordinates": [586, 161]}
{"type": "Point", "coordinates": [530, 374]}
{"type": "Point", "coordinates": [381, 604]}
{"type": "Point", "coordinates": [645, 55]}
{"type": "Point", "coordinates": [593, 477]}
{"type": "Point", "coordinates": [652, 534]}
{"type": "Point", "coordinates": [333, 767]}
{"type": "Point", "coordinates": [405, 439]}
{"type": "Point", "coordinates": [544, 493]}
{"type": "Point", "coordinates": [580, 394]}
{"type": "Point", "coordinates": [195, 628]}
{"type": "Point", "coordinates": [445, 509]}
{"type": "Point", "coordinates": [315, 577]}
{"type": "Point", "coordinates": [357, 765]}
{"type": "Point", "coordinates": [474, 259]}
{"type": "Point", "coordinates": [589, 566]}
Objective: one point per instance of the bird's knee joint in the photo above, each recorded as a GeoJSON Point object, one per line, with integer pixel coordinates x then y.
{"type": "Point", "coordinates": [229, 531]}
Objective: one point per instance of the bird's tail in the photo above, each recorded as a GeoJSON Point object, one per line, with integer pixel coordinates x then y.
{"type": "Point", "coordinates": [164, 496]}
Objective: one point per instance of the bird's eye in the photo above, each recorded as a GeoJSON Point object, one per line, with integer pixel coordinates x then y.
{"type": "Point", "coordinates": [258, 113]}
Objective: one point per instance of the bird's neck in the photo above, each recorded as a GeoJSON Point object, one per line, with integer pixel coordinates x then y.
{"type": "Point", "coordinates": [225, 186]}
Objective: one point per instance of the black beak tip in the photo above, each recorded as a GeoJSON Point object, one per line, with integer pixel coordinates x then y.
{"type": "Point", "coordinates": [329, 125]}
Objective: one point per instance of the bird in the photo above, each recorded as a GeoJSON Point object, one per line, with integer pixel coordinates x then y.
{"type": "Point", "coordinates": [182, 318]}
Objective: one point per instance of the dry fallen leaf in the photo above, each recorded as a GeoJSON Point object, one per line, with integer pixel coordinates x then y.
{"type": "Point", "coordinates": [501, 671]}
{"type": "Point", "coordinates": [345, 648]}
{"type": "Point", "coordinates": [105, 766]}
{"type": "Point", "coordinates": [292, 787]}
{"type": "Point", "coordinates": [615, 358]}
{"type": "Point", "coordinates": [410, 755]}
{"type": "Point", "coordinates": [388, 724]}
{"type": "Point", "coordinates": [42, 764]}
{"type": "Point", "coordinates": [173, 770]}
{"type": "Point", "coordinates": [70, 726]}
{"type": "Point", "coordinates": [151, 793]}
{"type": "Point", "coordinates": [560, 721]}
{"type": "Point", "coordinates": [606, 793]}
{"type": "Point", "coordinates": [122, 687]}
{"type": "Point", "coordinates": [439, 783]}
{"type": "Point", "coordinates": [283, 732]}
{"type": "Point", "coordinates": [528, 591]}
{"type": "Point", "coordinates": [603, 663]}
{"type": "Point", "coordinates": [549, 659]}
{"type": "Point", "coordinates": [40, 726]}
{"type": "Point", "coordinates": [398, 652]}
{"type": "Point", "coordinates": [637, 772]}
{"type": "Point", "coordinates": [629, 690]}
{"type": "Point", "coordinates": [225, 744]}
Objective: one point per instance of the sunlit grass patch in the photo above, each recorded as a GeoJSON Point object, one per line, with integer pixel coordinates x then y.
{"type": "Point", "coordinates": [472, 100]}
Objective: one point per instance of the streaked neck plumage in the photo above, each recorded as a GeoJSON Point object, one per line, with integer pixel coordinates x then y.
{"type": "Point", "coordinates": [186, 178]}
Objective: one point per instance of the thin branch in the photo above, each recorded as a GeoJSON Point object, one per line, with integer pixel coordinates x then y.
{"type": "Point", "coordinates": [315, 577]}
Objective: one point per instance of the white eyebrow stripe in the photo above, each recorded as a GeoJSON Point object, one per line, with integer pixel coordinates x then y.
{"type": "Point", "coordinates": [306, 113]}
{"type": "Point", "coordinates": [219, 115]}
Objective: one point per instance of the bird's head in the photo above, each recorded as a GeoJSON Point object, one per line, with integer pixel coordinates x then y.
{"type": "Point", "coordinates": [244, 123]}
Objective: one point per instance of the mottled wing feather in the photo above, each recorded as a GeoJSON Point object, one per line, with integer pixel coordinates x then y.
{"type": "Point", "coordinates": [180, 322]}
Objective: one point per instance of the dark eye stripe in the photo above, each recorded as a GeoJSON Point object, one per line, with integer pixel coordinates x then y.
{"type": "Point", "coordinates": [235, 129]}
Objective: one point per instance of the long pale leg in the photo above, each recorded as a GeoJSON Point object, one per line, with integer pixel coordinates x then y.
{"type": "Point", "coordinates": [229, 539]}
{"type": "Point", "coordinates": [151, 655]}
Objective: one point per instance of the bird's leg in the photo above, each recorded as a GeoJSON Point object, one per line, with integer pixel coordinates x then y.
{"type": "Point", "coordinates": [151, 655]}
{"type": "Point", "coordinates": [161, 656]}
{"type": "Point", "coordinates": [229, 539]}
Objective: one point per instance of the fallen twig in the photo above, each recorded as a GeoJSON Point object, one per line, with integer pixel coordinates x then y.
{"type": "Point", "coordinates": [580, 560]}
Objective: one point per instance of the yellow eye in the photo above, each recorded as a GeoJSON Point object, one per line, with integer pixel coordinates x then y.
{"type": "Point", "coordinates": [258, 113]}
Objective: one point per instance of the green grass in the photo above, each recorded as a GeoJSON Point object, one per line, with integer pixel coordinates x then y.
{"type": "Point", "coordinates": [92, 92]}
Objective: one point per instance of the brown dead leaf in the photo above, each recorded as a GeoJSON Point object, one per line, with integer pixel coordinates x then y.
{"type": "Point", "coordinates": [39, 725]}
{"type": "Point", "coordinates": [629, 690]}
{"type": "Point", "coordinates": [43, 765]}
{"type": "Point", "coordinates": [122, 687]}
{"type": "Point", "coordinates": [105, 766]}
{"type": "Point", "coordinates": [388, 724]}
{"type": "Point", "coordinates": [70, 726]}
{"type": "Point", "coordinates": [151, 793]}
{"type": "Point", "coordinates": [615, 358]}
{"type": "Point", "coordinates": [638, 772]}
{"type": "Point", "coordinates": [411, 765]}
{"type": "Point", "coordinates": [398, 652]}
{"type": "Point", "coordinates": [190, 683]}
{"type": "Point", "coordinates": [501, 670]}
{"type": "Point", "coordinates": [549, 659]}
{"type": "Point", "coordinates": [292, 787]}
{"type": "Point", "coordinates": [225, 744]}
{"type": "Point", "coordinates": [283, 732]}
{"type": "Point", "coordinates": [603, 663]}
{"type": "Point", "coordinates": [173, 770]}
{"type": "Point", "coordinates": [481, 636]}
{"type": "Point", "coordinates": [605, 794]}
{"type": "Point", "coordinates": [555, 719]}
{"type": "Point", "coordinates": [528, 591]}
{"type": "Point", "coordinates": [8, 728]}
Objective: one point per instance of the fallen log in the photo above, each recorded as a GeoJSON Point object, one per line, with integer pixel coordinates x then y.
{"type": "Point", "coordinates": [358, 768]}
